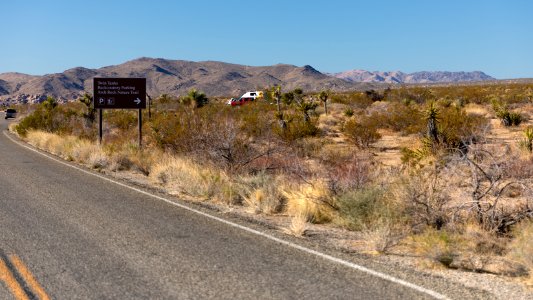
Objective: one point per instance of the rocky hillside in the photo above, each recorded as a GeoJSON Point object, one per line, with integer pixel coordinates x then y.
{"type": "Point", "coordinates": [417, 77]}
{"type": "Point", "coordinates": [174, 77]}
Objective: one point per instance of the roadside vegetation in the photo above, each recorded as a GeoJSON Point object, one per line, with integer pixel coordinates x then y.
{"type": "Point", "coordinates": [457, 192]}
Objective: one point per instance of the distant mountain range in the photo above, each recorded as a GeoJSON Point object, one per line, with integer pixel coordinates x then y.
{"type": "Point", "coordinates": [417, 77]}
{"type": "Point", "coordinates": [176, 77]}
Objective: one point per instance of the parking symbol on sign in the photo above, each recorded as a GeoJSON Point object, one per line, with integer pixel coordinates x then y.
{"type": "Point", "coordinates": [101, 101]}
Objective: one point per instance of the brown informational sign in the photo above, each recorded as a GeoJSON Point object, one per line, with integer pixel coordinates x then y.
{"type": "Point", "coordinates": [120, 93]}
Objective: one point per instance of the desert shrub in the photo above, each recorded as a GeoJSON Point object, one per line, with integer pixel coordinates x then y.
{"type": "Point", "coordinates": [296, 127]}
{"type": "Point", "coordinates": [308, 147]}
{"type": "Point", "coordinates": [355, 99]}
{"type": "Point", "coordinates": [449, 129]}
{"type": "Point", "coordinates": [400, 117]}
{"type": "Point", "coordinates": [173, 131]}
{"type": "Point", "coordinates": [418, 95]}
{"type": "Point", "coordinates": [374, 95]}
{"type": "Point", "coordinates": [415, 157]}
{"type": "Point", "coordinates": [207, 134]}
{"type": "Point", "coordinates": [518, 168]}
{"type": "Point", "coordinates": [515, 118]}
{"type": "Point", "coordinates": [50, 117]}
{"type": "Point", "coordinates": [507, 117]}
{"type": "Point", "coordinates": [425, 198]}
{"type": "Point", "coordinates": [165, 102]}
{"type": "Point", "coordinates": [362, 133]}
{"type": "Point", "coordinates": [124, 120]}
{"type": "Point", "coordinates": [363, 208]}
{"type": "Point", "coordinates": [457, 128]}
{"type": "Point", "coordinates": [255, 119]}
{"type": "Point", "coordinates": [436, 245]}
{"type": "Point", "coordinates": [347, 173]}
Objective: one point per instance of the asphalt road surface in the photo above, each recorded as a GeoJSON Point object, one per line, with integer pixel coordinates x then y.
{"type": "Point", "coordinates": [65, 234]}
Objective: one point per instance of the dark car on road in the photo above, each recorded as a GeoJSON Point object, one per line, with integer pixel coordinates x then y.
{"type": "Point", "coordinates": [11, 113]}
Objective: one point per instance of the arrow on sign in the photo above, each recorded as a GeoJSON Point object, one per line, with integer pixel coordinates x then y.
{"type": "Point", "coordinates": [138, 101]}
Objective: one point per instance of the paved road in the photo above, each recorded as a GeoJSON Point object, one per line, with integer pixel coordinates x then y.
{"type": "Point", "coordinates": [69, 235]}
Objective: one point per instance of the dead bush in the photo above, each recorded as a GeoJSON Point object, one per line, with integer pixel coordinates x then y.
{"type": "Point", "coordinates": [425, 197]}
{"type": "Point", "coordinates": [347, 173]}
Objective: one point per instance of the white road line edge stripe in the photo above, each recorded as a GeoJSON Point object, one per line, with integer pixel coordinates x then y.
{"type": "Point", "coordinates": [360, 268]}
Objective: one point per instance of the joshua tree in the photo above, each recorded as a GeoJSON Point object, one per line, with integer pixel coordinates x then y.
{"type": "Point", "coordinates": [276, 94]}
{"type": "Point", "coordinates": [303, 105]}
{"type": "Point", "coordinates": [90, 115]}
{"type": "Point", "coordinates": [323, 96]}
{"type": "Point", "coordinates": [432, 119]}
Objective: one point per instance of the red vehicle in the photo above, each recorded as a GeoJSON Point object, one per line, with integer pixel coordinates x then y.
{"type": "Point", "coordinates": [248, 96]}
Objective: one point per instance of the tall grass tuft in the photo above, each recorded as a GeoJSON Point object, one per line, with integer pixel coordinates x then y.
{"type": "Point", "coordinates": [183, 176]}
{"type": "Point", "coordinates": [521, 247]}
{"type": "Point", "coordinates": [314, 200]}
{"type": "Point", "coordinates": [260, 193]}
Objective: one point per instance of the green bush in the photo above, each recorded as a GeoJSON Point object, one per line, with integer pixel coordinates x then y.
{"type": "Point", "coordinates": [457, 128]}
{"type": "Point", "coordinates": [406, 118]}
{"type": "Point", "coordinates": [356, 99]}
{"type": "Point", "coordinates": [124, 120]}
{"type": "Point", "coordinates": [296, 127]}
{"type": "Point", "coordinates": [363, 208]}
{"type": "Point", "coordinates": [50, 117]}
{"type": "Point", "coordinates": [502, 112]}
{"type": "Point", "coordinates": [362, 133]}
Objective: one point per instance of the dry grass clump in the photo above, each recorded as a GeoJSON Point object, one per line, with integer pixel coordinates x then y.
{"type": "Point", "coordinates": [436, 245]}
{"type": "Point", "coordinates": [382, 236]}
{"type": "Point", "coordinates": [98, 159]}
{"type": "Point", "coordinates": [313, 199]}
{"type": "Point", "coordinates": [82, 151]}
{"type": "Point", "coordinates": [260, 193]}
{"type": "Point", "coordinates": [181, 175]}
{"type": "Point", "coordinates": [63, 146]}
{"type": "Point", "coordinates": [298, 225]}
{"type": "Point", "coordinates": [129, 157]}
{"type": "Point", "coordinates": [521, 247]}
{"type": "Point", "coordinates": [447, 246]}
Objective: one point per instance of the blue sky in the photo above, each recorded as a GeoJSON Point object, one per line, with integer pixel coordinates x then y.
{"type": "Point", "coordinates": [496, 37]}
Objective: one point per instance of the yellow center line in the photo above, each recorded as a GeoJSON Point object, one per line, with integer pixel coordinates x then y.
{"type": "Point", "coordinates": [7, 277]}
{"type": "Point", "coordinates": [28, 277]}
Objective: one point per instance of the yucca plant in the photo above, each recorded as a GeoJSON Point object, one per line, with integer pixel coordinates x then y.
{"type": "Point", "coordinates": [527, 142]}
{"type": "Point", "coordinates": [348, 112]}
